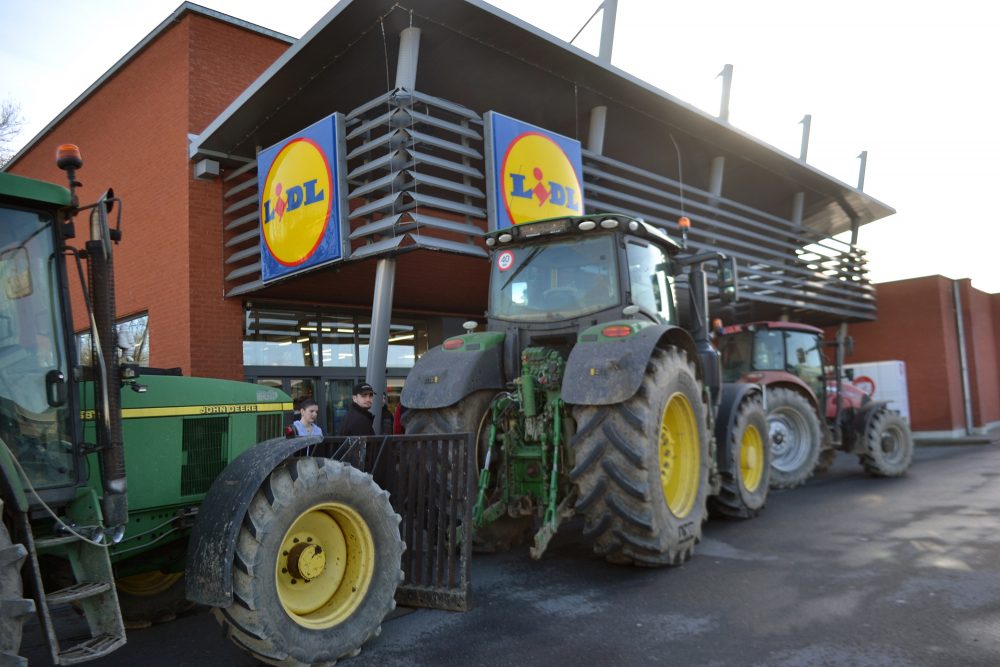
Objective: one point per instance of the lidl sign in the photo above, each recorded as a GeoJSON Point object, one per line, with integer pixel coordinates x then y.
{"type": "Point", "coordinates": [300, 200]}
{"type": "Point", "coordinates": [534, 174]}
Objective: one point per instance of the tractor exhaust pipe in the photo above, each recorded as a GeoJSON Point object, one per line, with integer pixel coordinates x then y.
{"type": "Point", "coordinates": [108, 384]}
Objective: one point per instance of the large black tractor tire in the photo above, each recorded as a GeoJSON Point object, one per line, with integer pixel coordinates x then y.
{"type": "Point", "coordinates": [744, 464]}
{"type": "Point", "coordinates": [642, 467]}
{"type": "Point", "coordinates": [152, 597]}
{"type": "Point", "coordinates": [887, 445]}
{"type": "Point", "coordinates": [470, 416]}
{"type": "Point", "coordinates": [795, 436]}
{"type": "Point", "coordinates": [14, 607]}
{"type": "Point", "coordinates": [317, 565]}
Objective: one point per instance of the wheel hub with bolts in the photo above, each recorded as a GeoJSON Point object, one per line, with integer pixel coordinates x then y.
{"type": "Point", "coordinates": [306, 561]}
{"type": "Point", "coordinates": [779, 437]}
{"type": "Point", "coordinates": [324, 565]}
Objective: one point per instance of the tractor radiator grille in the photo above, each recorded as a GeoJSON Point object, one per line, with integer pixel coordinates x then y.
{"type": "Point", "coordinates": [269, 426]}
{"type": "Point", "coordinates": [205, 446]}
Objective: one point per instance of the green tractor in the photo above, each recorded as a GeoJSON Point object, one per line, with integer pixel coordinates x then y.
{"type": "Point", "coordinates": [596, 391]}
{"type": "Point", "coordinates": [133, 497]}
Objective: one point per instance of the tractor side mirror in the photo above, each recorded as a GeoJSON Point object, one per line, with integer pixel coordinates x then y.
{"type": "Point", "coordinates": [727, 277]}
{"type": "Point", "coordinates": [849, 374]}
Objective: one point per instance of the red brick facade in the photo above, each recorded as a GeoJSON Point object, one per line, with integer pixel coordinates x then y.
{"type": "Point", "coordinates": [133, 132]}
{"type": "Point", "coordinates": [916, 324]}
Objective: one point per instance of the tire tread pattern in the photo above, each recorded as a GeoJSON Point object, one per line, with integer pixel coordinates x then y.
{"type": "Point", "coordinates": [14, 607]}
{"type": "Point", "coordinates": [874, 460]}
{"type": "Point", "coordinates": [735, 500]}
{"type": "Point", "coordinates": [617, 470]}
{"type": "Point", "coordinates": [255, 621]}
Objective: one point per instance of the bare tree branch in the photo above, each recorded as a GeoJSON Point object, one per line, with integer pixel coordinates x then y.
{"type": "Point", "coordinates": [10, 126]}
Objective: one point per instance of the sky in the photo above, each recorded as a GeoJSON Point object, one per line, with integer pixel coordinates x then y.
{"type": "Point", "coordinates": [914, 83]}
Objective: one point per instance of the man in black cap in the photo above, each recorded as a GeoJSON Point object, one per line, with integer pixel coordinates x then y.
{"type": "Point", "coordinates": [358, 420]}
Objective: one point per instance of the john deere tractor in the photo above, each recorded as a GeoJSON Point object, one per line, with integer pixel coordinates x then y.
{"type": "Point", "coordinates": [812, 413]}
{"type": "Point", "coordinates": [595, 391]}
{"type": "Point", "coordinates": [117, 488]}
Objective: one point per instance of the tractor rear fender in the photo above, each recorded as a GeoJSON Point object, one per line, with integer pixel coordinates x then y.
{"type": "Point", "coordinates": [444, 377]}
{"type": "Point", "coordinates": [604, 371]}
{"type": "Point", "coordinates": [11, 487]}
{"type": "Point", "coordinates": [733, 394]}
{"type": "Point", "coordinates": [856, 423]}
{"type": "Point", "coordinates": [211, 549]}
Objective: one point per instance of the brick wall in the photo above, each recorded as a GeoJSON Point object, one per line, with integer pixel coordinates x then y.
{"type": "Point", "coordinates": [916, 324]}
{"type": "Point", "coordinates": [217, 78]}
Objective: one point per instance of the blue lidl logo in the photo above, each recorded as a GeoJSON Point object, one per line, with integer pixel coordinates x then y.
{"type": "Point", "coordinates": [537, 174]}
{"type": "Point", "coordinates": [299, 204]}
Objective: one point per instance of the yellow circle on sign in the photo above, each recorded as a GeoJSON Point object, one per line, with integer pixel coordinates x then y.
{"type": "Point", "coordinates": [538, 180]}
{"type": "Point", "coordinates": [296, 202]}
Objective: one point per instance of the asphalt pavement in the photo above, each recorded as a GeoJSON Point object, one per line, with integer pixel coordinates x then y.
{"type": "Point", "coordinates": [848, 570]}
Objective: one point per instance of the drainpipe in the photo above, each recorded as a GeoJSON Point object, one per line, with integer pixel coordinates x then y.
{"type": "Point", "coordinates": [963, 357]}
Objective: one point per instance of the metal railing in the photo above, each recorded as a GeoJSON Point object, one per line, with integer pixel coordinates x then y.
{"type": "Point", "coordinates": [431, 484]}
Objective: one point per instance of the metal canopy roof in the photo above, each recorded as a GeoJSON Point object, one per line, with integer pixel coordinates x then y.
{"type": "Point", "coordinates": [485, 59]}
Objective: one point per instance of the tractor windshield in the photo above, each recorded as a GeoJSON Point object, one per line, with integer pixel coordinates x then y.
{"type": "Point", "coordinates": [32, 352]}
{"type": "Point", "coordinates": [556, 281]}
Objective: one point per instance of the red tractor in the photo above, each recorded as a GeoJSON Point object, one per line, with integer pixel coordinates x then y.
{"type": "Point", "coordinates": [787, 359]}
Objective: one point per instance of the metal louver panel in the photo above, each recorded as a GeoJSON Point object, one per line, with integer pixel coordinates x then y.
{"type": "Point", "coordinates": [415, 179]}
{"type": "Point", "coordinates": [780, 263]}
{"type": "Point", "coordinates": [415, 165]}
{"type": "Point", "coordinates": [241, 225]}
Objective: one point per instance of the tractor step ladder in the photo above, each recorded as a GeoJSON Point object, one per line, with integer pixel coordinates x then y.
{"type": "Point", "coordinates": [94, 591]}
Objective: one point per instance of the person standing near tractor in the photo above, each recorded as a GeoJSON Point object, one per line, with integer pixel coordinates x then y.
{"type": "Point", "coordinates": [359, 419]}
{"type": "Point", "coordinates": [306, 423]}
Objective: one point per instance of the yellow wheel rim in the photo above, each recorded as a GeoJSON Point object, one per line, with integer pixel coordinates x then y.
{"type": "Point", "coordinates": [680, 455]}
{"type": "Point", "coordinates": [752, 458]}
{"type": "Point", "coordinates": [324, 566]}
{"type": "Point", "coordinates": [148, 583]}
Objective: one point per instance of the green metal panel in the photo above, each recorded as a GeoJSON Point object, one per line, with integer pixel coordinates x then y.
{"type": "Point", "coordinates": [179, 434]}
{"type": "Point", "coordinates": [21, 187]}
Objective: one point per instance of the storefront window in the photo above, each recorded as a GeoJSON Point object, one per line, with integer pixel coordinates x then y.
{"type": "Point", "coordinates": [275, 337]}
{"type": "Point", "coordinates": [281, 338]}
{"type": "Point", "coordinates": [404, 345]}
{"type": "Point", "coordinates": [338, 342]}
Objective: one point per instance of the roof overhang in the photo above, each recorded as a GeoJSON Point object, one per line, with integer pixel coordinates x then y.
{"type": "Point", "coordinates": [484, 58]}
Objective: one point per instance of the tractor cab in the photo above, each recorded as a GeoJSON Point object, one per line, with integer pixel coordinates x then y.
{"type": "Point", "coordinates": [552, 279]}
{"type": "Point", "coordinates": [759, 352]}
{"type": "Point", "coordinates": [36, 415]}
{"type": "Point", "coordinates": [567, 268]}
